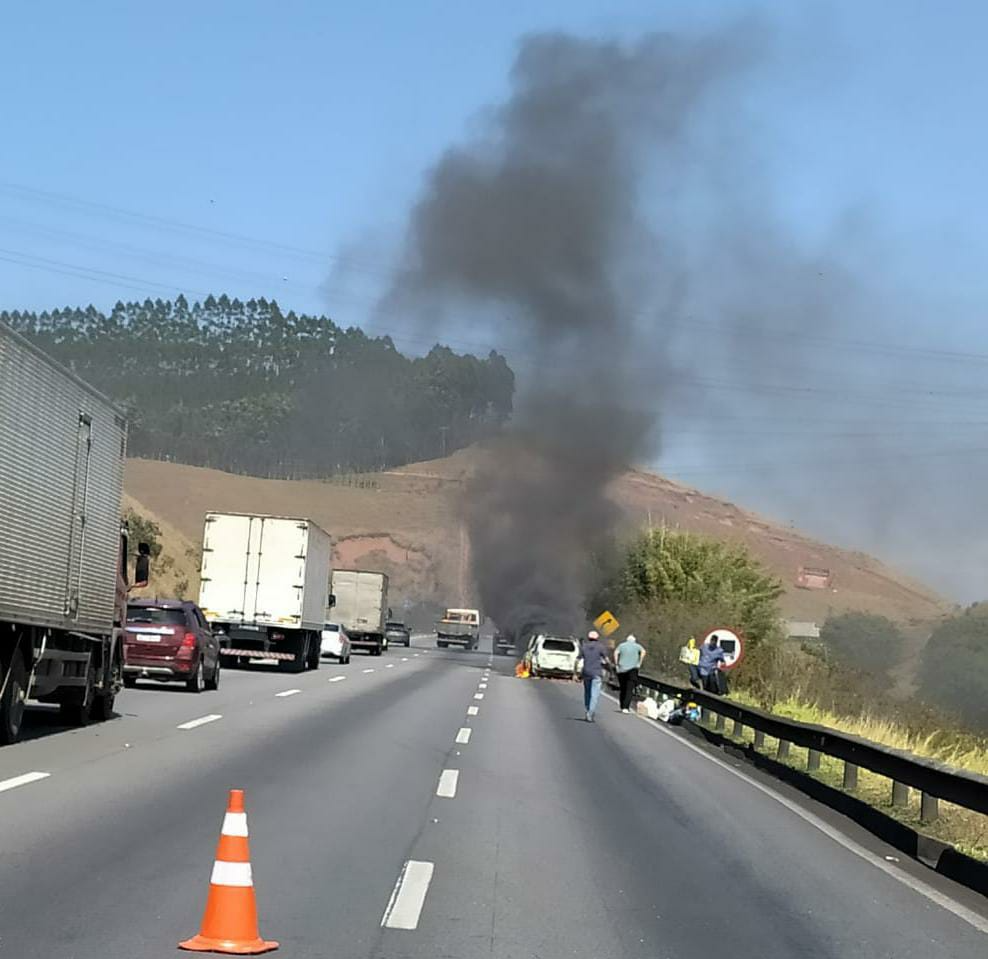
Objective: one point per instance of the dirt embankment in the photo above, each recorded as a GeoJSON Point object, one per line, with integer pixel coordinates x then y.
{"type": "Point", "coordinates": [406, 523]}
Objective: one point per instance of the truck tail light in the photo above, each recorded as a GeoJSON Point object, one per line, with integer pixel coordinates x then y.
{"type": "Point", "coordinates": [277, 636]}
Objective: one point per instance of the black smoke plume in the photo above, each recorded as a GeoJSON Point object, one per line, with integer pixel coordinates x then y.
{"type": "Point", "coordinates": [534, 229]}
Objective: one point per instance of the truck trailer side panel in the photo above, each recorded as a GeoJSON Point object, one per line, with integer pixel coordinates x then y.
{"type": "Point", "coordinates": [315, 591]}
{"type": "Point", "coordinates": [62, 449]}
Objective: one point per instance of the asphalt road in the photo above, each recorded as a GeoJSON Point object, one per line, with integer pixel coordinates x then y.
{"type": "Point", "coordinates": [551, 837]}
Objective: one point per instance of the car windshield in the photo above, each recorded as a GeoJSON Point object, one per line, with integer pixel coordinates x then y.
{"type": "Point", "coordinates": [158, 615]}
{"type": "Point", "coordinates": [559, 645]}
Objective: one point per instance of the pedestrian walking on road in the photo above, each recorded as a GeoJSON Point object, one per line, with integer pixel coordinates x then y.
{"type": "Point", "coordinates": [628, 658]}
{"type": "Point", "coordinates": [594, 654]}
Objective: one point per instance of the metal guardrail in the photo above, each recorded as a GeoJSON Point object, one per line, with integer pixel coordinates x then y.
{"type": "Point", "coordinates": [932, 779]}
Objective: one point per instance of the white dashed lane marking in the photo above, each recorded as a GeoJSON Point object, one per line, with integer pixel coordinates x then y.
{"type": "Point", "coordinates": [447, 783]}
{"type": "Point", "coordinates": [478, 695]}
{"type": "Point", "coordinates": [390, 666]}
{"type": "Point", "coordinates": [24, 780]}
{"type": "Point", "coordinates": [408, 898]}
{"type": "Point", "coordinates": [463, 736]}
{"type": "Point", "coordinates": [288, 692]}
{"type": "Point", "coordinates": [473, 710]}
{"type": "Point", "coordinates": [337, 679]}
{"type": "Point", "coordinates": [193, 723]}
{"type": "Point", "coordinates": [369, 669]}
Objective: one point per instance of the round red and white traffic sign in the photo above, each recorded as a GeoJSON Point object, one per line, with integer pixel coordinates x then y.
{"type": "Point", "coordinates": [731, 642]}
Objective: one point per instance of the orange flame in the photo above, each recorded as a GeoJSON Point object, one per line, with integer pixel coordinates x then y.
{"type": "Point", "coordinates": [521, 670]}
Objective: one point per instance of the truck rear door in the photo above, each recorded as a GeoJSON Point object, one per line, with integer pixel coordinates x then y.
{"type": "Point", "coordinates": [279, 564]}
{"type": "Point", "coordinates": [226, 567]}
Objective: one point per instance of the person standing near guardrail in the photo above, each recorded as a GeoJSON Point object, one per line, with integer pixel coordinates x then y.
{"type": "Point", "coordinates": [594, 654]}
{"type": "Point", "coordinates": [689, 655]}
{"type": "Point", "coordinates": [628, 658]}
{"type": "Point", "coordinates": [712, 656]}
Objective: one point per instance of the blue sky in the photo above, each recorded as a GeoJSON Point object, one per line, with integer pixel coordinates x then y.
{"type": "Point", "coordinates": [259, 148]}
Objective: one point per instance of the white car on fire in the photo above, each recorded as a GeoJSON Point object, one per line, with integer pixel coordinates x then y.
{"type": "Point", "coordinates": [554, 656]}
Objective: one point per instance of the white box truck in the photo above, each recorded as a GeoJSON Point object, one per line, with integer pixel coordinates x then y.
{"type": "Point", "coordinates": [63, 550]}
{"type": "Point", "coordinates": [263, 587]}
{"type": "Point", "coordinates": [362, 609]}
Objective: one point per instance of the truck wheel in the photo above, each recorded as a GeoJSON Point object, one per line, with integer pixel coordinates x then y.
{"type": "Point", "coordinates": [441, 644]}
{"type": "Point", "coordinates": [103, 702]}
{"type": "Point", "coordinates": [12, 703]}
{"type": "Point", "coordinates": [315, 657]}
{"type": "Point", "coordinates": [77, 711]}
{"type": "Point", "coordinates": [130, 682]}
{"type": "Point", "coordinates": [297, 665]}
{"type": "Point", "coordinates": [196, 683]}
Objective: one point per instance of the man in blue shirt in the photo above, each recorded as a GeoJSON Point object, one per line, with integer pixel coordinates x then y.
{"type": "Point", "coordinates": [594, 654]}
{"type": "Point", "coordinates": [712, 656]}
{"type": "Point", "coordinates": [628, 658]}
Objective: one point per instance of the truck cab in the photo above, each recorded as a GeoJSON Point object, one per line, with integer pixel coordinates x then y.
{"type": "Point", "coordinates": [459, 627]}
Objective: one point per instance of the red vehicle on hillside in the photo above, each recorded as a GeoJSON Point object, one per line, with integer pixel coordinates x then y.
{"type": "Point", "coordinates": [169, 640]}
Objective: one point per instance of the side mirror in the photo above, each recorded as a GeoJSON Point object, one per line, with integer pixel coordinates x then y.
{"type": "Point", "coordinates": [331, 600]}
{"type": "Point", "coordinates": [142, 566]}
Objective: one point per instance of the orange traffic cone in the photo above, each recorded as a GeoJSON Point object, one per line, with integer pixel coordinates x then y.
{"type": "Point", "coordinates": [229, 924]}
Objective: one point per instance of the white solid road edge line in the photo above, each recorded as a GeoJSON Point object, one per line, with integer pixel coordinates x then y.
{"type": "Point", "coordinates": [193, 723]}
{"type": "Point", "coordinates": [287, 692]}
{"type": "Point", "coordinates": [24, 780]}
{"type": "Point", "coordinates": [447, 783]}
{"type": "Point", "coordinates": [408, 898]}
{"type": "Point", "coordinates": [463, 736]}
{"type": "Point", "coordinates": [473, 710]}
{"type": "Point", "coordinates": [969, 916]}
{"type": "Point", "coordinates": [336, 679]}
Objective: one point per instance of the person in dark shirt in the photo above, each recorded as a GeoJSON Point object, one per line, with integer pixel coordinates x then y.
{"type": "Point", "coordinates": [712, 659]}
{"type": "Point", "coordinates": [594, 654]}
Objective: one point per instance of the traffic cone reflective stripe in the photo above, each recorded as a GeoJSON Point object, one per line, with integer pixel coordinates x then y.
{"type": "Point", "coordinates": [229, 924]}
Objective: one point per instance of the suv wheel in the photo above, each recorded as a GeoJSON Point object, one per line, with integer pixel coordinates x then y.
{"type": "Point", "coordinates": [214, 680]}
{"type": "Point", "coordinates": [196, 682]}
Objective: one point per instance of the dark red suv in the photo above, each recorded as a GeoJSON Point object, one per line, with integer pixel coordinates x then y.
{"type": "Point", "coordinates": [169, 640]}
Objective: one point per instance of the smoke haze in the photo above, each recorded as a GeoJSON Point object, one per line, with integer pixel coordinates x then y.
{"type": "Point", "coordinates": [611, 227]}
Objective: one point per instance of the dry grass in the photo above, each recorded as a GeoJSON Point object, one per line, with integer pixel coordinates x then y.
{"type": "Point", "coordinates": [966, 830]}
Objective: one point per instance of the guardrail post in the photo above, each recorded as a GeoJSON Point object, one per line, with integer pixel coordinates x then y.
{"type": "Point", "coordinates": [900, 794]}
{"type": "Point", "coordinates": [929, 808]}
{"type": "Point", "coordinates": [813, 760]}
{"type": "Point", "coordinates": [783, 751]}
{"type": "Point", "coordinates": [850, 776]}
{"type": "Point", "coordinates": [759, 739]}
{"type": "Point", "coordinates": [719, 726]}
{"type": "Point", "coordinates": [738, 729]}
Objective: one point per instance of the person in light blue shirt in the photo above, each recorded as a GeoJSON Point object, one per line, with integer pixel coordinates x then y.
{"type": "Point", "coordinates": [628, 658]}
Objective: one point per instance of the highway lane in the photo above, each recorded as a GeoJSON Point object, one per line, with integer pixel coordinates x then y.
{"type": "Point", "coordinates": [530, 832]}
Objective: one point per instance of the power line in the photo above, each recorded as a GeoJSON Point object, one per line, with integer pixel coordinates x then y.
{"type": "Point", "coordinates": [386, 270]}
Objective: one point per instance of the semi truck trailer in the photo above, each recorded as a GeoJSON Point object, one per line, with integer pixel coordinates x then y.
{"type": "Point", "coordinates": [263, 587]}
{"type": "Point", "coordinates": [63, 547]}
